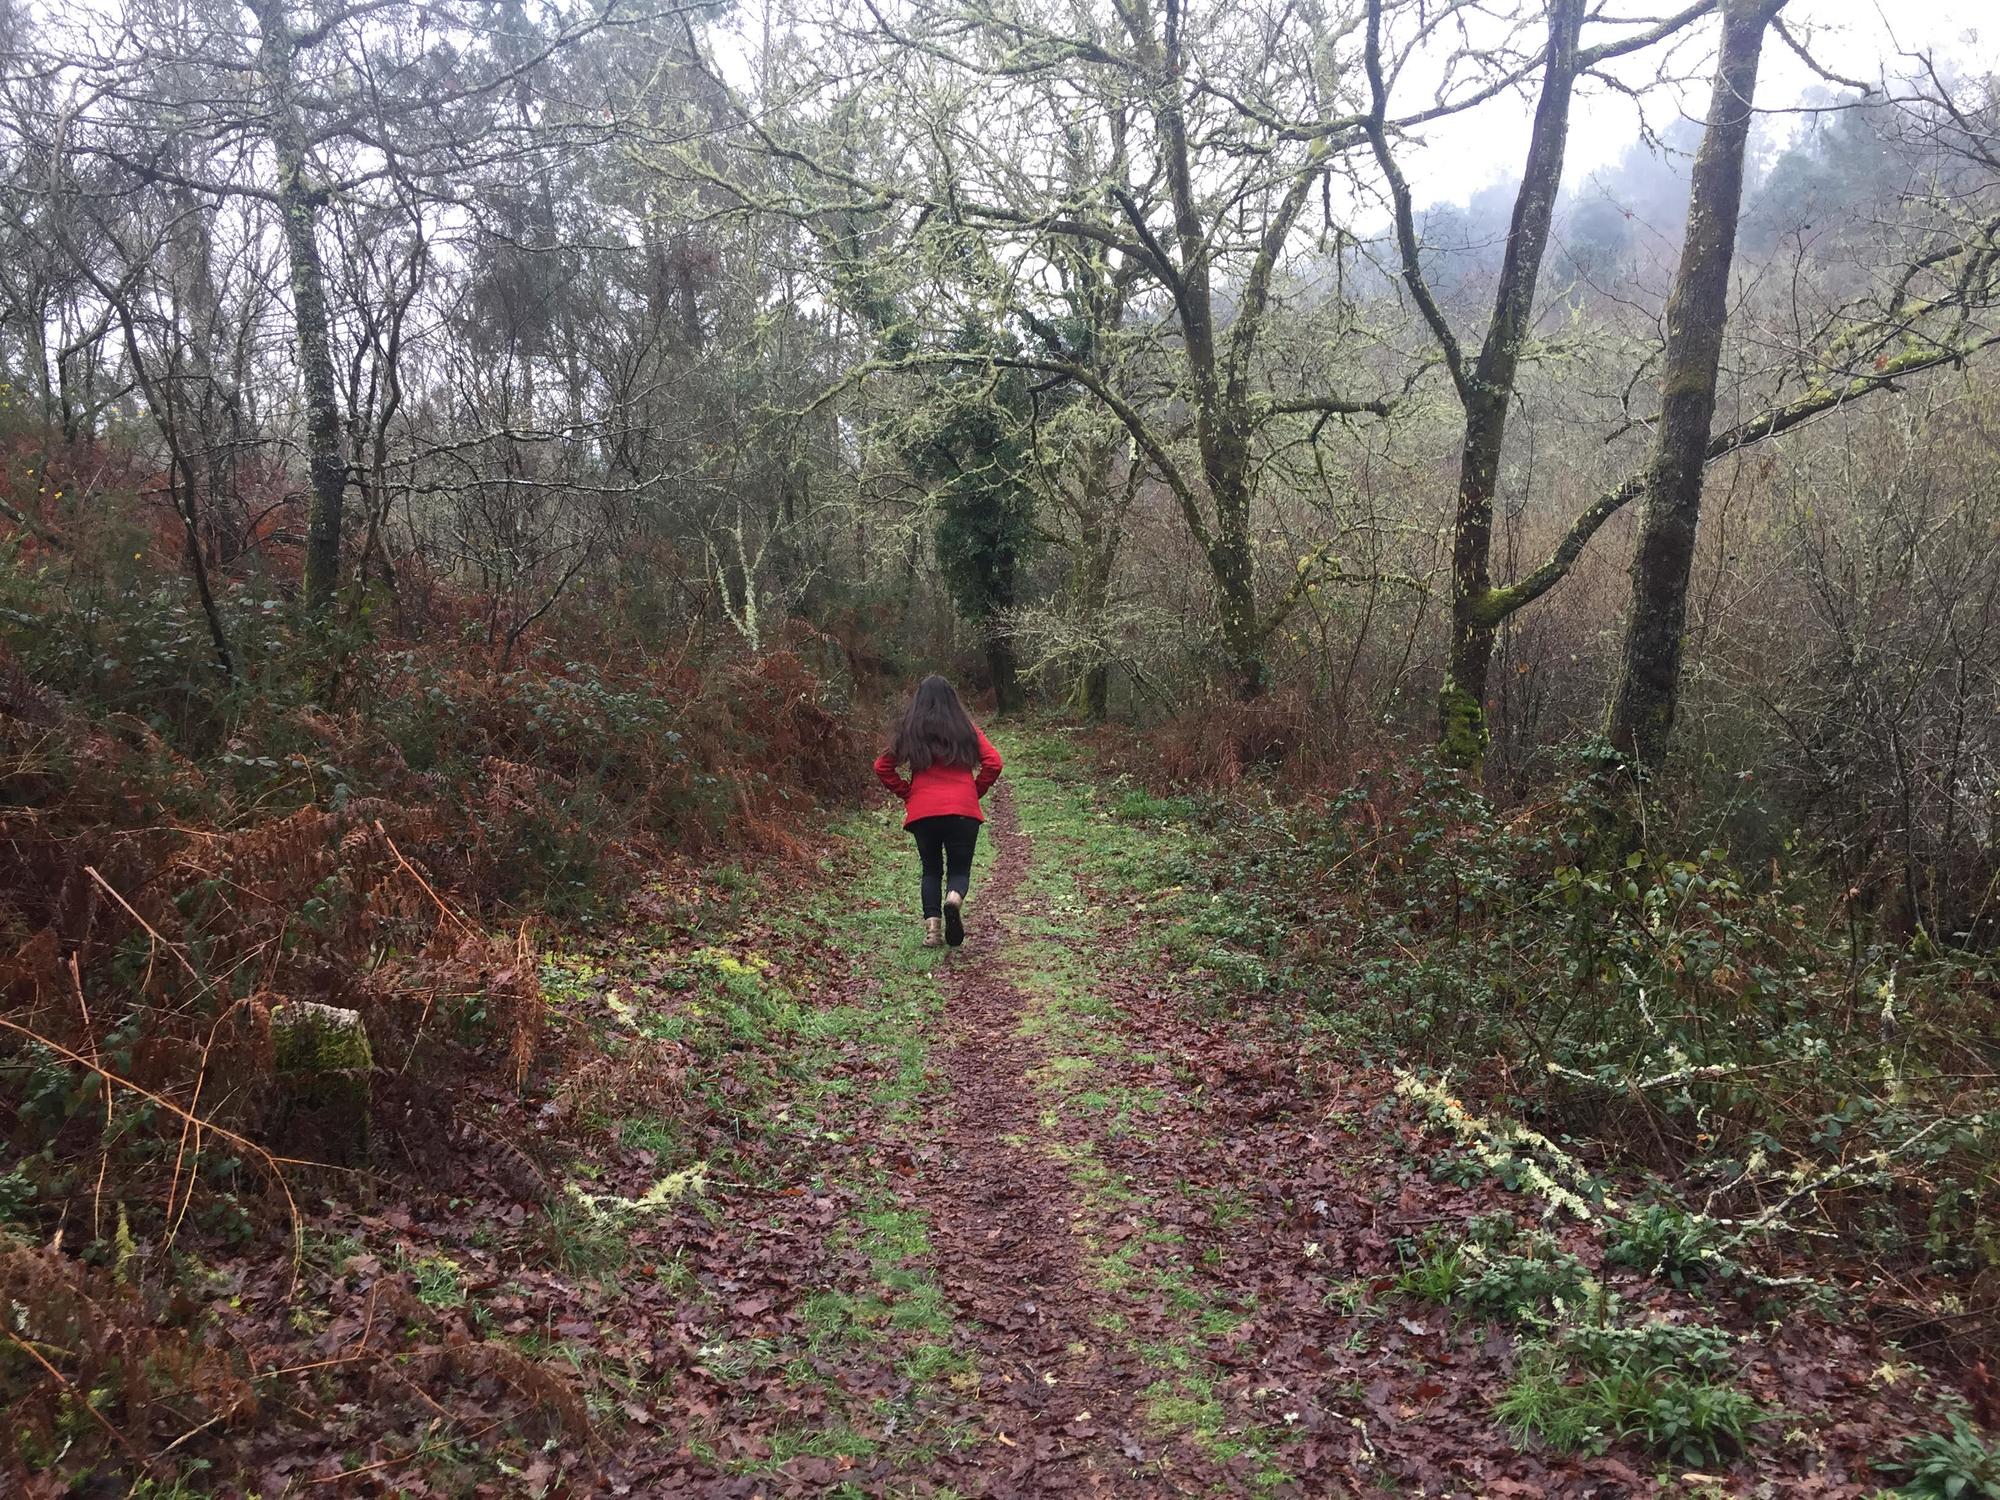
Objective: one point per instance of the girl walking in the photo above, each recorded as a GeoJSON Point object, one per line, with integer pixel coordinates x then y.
{"type": "Point", "coordinates": [951, 766]}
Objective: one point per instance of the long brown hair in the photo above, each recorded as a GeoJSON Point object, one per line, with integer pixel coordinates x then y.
{"type": "Point", "coordinates": [935, 730]}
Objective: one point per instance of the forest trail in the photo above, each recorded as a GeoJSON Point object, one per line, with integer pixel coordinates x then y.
{"type": "Point", "coordinates": [1006, 1212]}
{"type": "Point", "coordinates": [464, 1029]}
{"type": "Point", "coordinates": [1045, 1217]}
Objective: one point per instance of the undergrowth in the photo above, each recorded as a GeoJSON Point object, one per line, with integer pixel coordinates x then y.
{"type": "Point", "coordinates": [1589, 1373]}
{"type": "Point", "coordinates": [372, 826]}
{"type": "Point", "coordinates": [1957, 1464]}
{"type": "Point", "coordinates": [1732, 1031]}
{"type": "Point", "coordinates": [1684, 1418]}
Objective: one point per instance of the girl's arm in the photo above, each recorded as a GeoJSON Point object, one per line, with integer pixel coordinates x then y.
{"type": "Point", "coordinates": [989, 764]}
{"type": "Point", "coordinates": [886, 773]}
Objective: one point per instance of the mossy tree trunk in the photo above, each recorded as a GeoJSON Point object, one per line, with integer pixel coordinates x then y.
{"type": "Point", "coordinates": [1097, 551]}
{"type": "Point", "coordinates": [1485, 387]}
{"type": "Point", "coordinates": [1005, 670]}
{"type": "Point", "coordinates": [298, 209]}
{"type": "Point", "coordinates": [1243, 634]}
{"type": "Point", "coordinates": [1642, 710]}
{"type": "Point", "coordinates": [1488, 393]}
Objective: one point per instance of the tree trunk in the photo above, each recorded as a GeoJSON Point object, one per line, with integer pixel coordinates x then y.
{"type": "Point", "coordinates": [327, 465]}
{"type": "Point", "coordinates": [1642, 712]}
{"type": "Point", "coordinates": [1461, 707]}
{"type": "Point", "coordinates": [213, 405]}
{"type": "Point", "coordinates": [1221, 418]}
{"type": "Point", "coordinates": [1099, 546]}
{"type": "Point", "coordinates": [1096, 696]}
{"type": "Point", "coordinates": [298, 206]}
{"type": "Point", "coordinates": [1006, 673]}
{"type": "Point", "coordinates": [1231, 564]}
{"type": "Point", "coordinates": [1488, 392]}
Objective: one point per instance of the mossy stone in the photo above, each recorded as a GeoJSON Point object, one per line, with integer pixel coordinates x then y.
{"type": "Point", "coordinates": [307, 1037]}
{"type": "Point", "coordinates": [323, 1062]}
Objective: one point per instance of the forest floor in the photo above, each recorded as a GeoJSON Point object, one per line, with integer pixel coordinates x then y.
{"type": "Point", "coordinates": [1044, 1215]}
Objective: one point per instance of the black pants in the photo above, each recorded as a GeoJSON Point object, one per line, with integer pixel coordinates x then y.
{"type": "Point", "coordinates": [945, 846]}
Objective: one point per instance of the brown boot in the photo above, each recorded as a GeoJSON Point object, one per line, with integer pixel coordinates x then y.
{"type": "Point", "coordinates": [954, 918]}
{"type": "Point", "coordinates": [930, 932]}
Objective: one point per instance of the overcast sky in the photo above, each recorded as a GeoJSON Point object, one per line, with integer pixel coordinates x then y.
{"type": "Point", "coordinates": [1854, 38]}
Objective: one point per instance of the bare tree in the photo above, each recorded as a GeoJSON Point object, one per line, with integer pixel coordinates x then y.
{"type": "Point", "coordinates": [1925, 317]}
{"type": "Point", "coordinates": [1207, 138]}
{"type": "Point", "coordinates": [1642, 712]}
{"type": "Point", "coordinates": [340, 99]}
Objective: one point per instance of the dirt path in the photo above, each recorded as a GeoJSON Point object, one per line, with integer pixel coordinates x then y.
{"type": "Point", "coordinates": [1184, 1258]}
{"type": "Point", "coordinates": [1065, 1213]}
{"type": "Point", "coordinates": [1059, 1397]}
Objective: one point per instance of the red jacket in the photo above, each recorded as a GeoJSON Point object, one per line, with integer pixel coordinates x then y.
{"type": "Point", "coordinates": [940, 791]}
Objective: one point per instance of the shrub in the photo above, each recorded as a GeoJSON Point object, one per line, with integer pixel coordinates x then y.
{"type": "Point", "coordinates": [1514, 1286]}
{"type": "Point", "coordinates": [1683, 1418]}
{"type": "Point", "coordinates": [344, 824]}
{"type": "Point", "coordinates": [122, 1372]}
{"type": "Point", "coordinates": [1699, 1347]}
{"type": "Point", "coordinates": [1954, 1465]}
{"type": "Point", "coordinates": [1663, 1241]}
{"type": "Point", "coordinates": [1510, 1285]}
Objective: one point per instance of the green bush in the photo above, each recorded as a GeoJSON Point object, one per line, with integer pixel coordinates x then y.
{"type": "Point", "coordinates": [1954, 1465]}
{"type": "Point", "coordinates": [1515, 1286]}
{"type": "Point", "coordinates": [1509, 1285]}
{"type": "Point", "coordinates": [1663, 1241]}
{"type": "Point", "coordinates": [1699, 1347]}
{"type": "Point", "coordinates": [1681, 1417]}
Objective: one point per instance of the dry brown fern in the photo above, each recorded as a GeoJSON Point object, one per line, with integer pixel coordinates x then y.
{"type": "Point", "coordinates": [34, 982]}
{"type": "Point", "coordinates": [550, 1397]}
{"type": "Point", "coordinates": [646, 1078]}
{"type": "Point", "coordinates": [79, 1345]}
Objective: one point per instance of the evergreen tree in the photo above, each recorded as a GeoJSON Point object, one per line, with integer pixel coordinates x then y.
{"type": "Point", "coordinates": [976, 457]}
